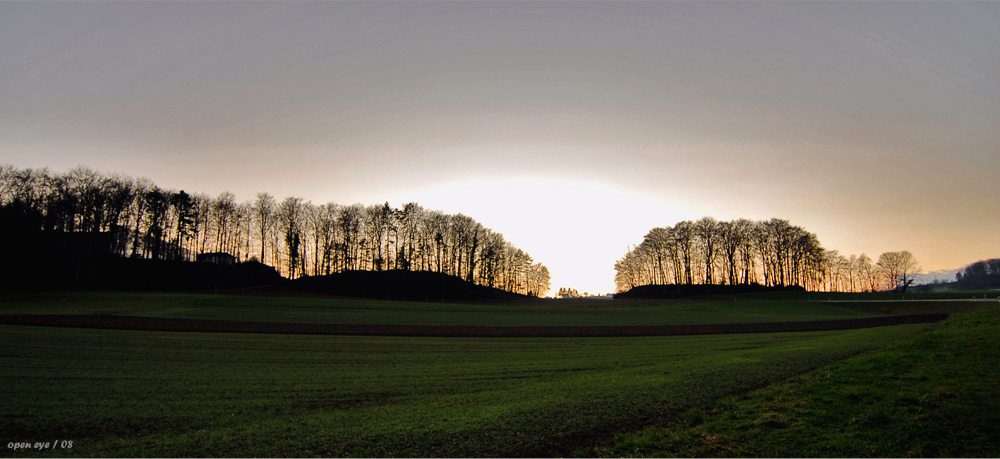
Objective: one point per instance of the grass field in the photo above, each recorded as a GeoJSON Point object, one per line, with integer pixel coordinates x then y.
{"type": "Point", "coordinates": [933, 394]}
{"type": "Point", "coordinates": [131, 393]}
{"type": "Point", "coordinates": [127, 393]}
{"type": "Point", "coordinates": [747, 308]}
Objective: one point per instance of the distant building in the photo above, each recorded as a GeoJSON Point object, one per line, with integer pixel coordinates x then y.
{"type": "Point", "coordinates": [219, 258]}
{"type": "Point", "coordinates": [565, 293]}
{"type": "Point", "coordinates": [569, 293]}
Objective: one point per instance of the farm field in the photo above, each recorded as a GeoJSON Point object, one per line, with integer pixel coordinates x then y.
{"type": "Point", "coordinates": [143, 393]}
{"type": "Point", "coordinates": [931, 394]}
{"type": "Point", "coordinates": [130, 393]}
{"type": "Point", "coordinates": [745, 308]}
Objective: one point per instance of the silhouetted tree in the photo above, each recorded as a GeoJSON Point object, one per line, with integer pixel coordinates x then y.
{"type": "Point", "coordinates": [979, 275]}
{"type": "Point", "coordinates": [897, 269]}
{"type": "Point", "coordinates": [183, 207]}
{"type": "Point", "coordinates": [738, 252]}
{"type": "Point", "coordinates": [538, 280]}
{"type": "Point", "coordinates": [116, 215]}
{"type": "Point", "coordinates": [290, 212]}
{"type": "Point", "coordinates": [263, 212]}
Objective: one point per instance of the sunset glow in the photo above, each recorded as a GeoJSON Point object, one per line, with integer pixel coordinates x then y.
{"type": "Point", "coordinates": [570, 128]}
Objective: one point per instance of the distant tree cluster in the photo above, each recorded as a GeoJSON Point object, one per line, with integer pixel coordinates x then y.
{"type": "Point", "coordinates": [979, 275]}
{"type": "Point", "coordinates": [858, 273]}
{"type": "Point", "coordinates": [122, 216]}
{"type": "Point", "coordinates": [745, 252]}
{"type": "Point", "coordinates": [568, 293]}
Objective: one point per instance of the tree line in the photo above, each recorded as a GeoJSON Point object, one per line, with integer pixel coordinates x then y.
{"type": "Point", "coordinates": [745, 252]}
{"type": "Point", "coordinates": [117, 215]}
{"type": "Point", "coordinates": [979, 275]}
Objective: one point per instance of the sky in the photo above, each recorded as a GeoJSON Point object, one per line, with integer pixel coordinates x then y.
{"type": "Point", "coordinates": [572, 128]}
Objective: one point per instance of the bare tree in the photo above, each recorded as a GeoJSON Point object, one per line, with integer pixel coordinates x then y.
{"type": "Point", "coordinates": [244, 229]}
{"type": "Point", "coordinates": [898, 269]}
{"type": "Point", "coordinates": [684, 236]}
{"type": "Point", "coordinates": [290, 215]}
{"type": "Point", "coordinates": [377, 221]}
{"type": "Point", "coordinates": [868, 272]}
{"type": "Point", "coordinates": [183, 207]}
{"type": "Point", "coordinates": [263, 212]}
{"type": "Point", "coordinates": [350, 222]}
{"type": "Point", "coordinates": [326, 235]}
{"type": "Point", "coordinates": [707, 232]}
{"type": "Point", "coordinates": [538, 280]}
{"type": "Point", "coordinates": [202, 215]}
{"type": "Point", "coordinates": [142, 186]}
{"type": "Point", "coordinates": [409, 219]}
{"type": "Point", "coordinates": [224, 220]}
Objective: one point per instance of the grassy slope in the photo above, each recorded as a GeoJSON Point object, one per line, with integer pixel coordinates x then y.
{"type": "Point", "coordinates": [127, 393]}
{"type": "Point", "coordinates": [932, 394]}
{"type": "Point", "coordinates": [304, 310]}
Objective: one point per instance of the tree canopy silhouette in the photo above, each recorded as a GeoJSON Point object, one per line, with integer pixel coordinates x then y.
{"type": "Point", "coordinates": [85, 214]}
{"type": "Point", "coordinates": [979, 275]}
{"type": "Point", "coordinates": [771, 253]}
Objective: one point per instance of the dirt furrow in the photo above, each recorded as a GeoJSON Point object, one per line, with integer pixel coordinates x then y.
{"type": "Point", "coordinates": [227, 326]}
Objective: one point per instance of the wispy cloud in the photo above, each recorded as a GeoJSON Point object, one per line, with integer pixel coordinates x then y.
{"type": "Point", "coordinates": [953, 135]}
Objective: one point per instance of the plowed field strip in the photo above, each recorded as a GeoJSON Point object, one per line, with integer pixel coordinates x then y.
{"type": "Point", "coordinates": [227, 326]}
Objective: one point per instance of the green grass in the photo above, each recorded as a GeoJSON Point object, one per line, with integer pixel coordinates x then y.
{"type": "Point", "coordinates": [932, 394]}
{"type": "Point", "coordinates": [129, 393]}
{"type": "Point", "coordinates": [334, 311]}
{"type": "Point", "coordinates": [872, 296]}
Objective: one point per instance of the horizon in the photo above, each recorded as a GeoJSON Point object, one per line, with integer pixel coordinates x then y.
{"type": "Point", "coordinates": [571, 129]}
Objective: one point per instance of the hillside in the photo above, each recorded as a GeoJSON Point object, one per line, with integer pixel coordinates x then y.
{"type": "Point", "coordinates": [401, 285]}
{"type": "Point", "coordinates": [681, 290]}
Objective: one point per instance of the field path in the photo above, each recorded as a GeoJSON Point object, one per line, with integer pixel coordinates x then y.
{"type": "Point", "coordinates": [227, 326]}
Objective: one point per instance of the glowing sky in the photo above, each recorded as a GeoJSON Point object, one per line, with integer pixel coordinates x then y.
{"type": "Point", "coordinates": [571, 128]}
